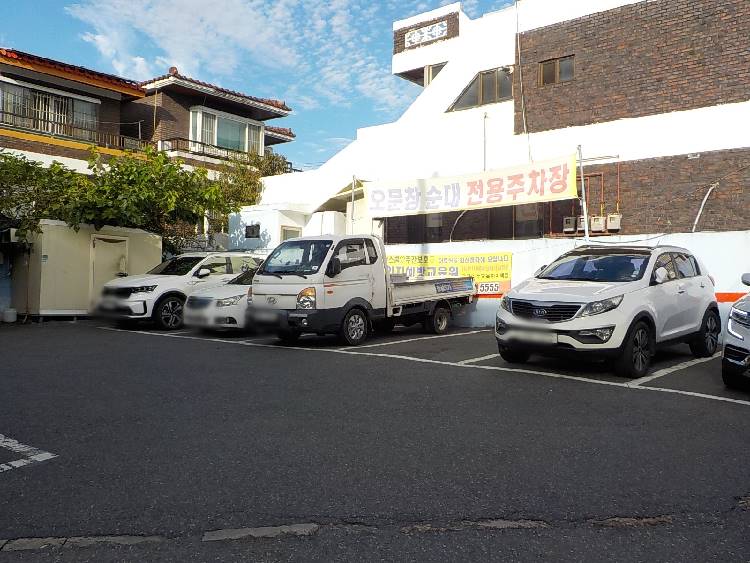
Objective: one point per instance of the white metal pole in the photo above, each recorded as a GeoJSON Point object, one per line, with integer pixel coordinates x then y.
{"type": "Point", "coordinates": [583, 199]}
{"type": "Point", "coordinates": [354, 182]}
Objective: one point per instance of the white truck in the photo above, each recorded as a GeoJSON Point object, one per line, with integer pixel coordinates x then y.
{"type": "Point", "coordinates": [340, 284]}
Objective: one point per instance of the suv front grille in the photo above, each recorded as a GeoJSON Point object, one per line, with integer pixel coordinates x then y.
{"type": "Point", "coordinates": [123, 292]}
{"type": "Point", "coordinates": [541, 311]}
{"type": "Point", "coordinates": [198, 302]}
{"type": "Point", "coordinates": [735, 354]}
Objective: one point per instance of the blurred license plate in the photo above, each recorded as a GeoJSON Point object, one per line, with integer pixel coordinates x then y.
{"type": "Point", "coordinates": [536, 337]}
{"type": "Point", "coordinates": [266, 316]}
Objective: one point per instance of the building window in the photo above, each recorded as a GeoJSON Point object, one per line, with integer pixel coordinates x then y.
{"type": "Point", "coordinates": [290, 232]}
{"type": "Point", "coordinates": [431, 71]}
{"type": "Point", "coordinates": [213, 128]}
{"type": "Point", "coordinates": [488, 87]}
{"type": "Point", "coordinates": [556, 71]}
{"type": "Point", "coordinates": [48, 112]}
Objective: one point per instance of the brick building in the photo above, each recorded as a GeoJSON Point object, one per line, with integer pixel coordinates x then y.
{"type": "Point", "coordinates": [52, 110]}
{"type": "Point", "coordinates": [654, 91]}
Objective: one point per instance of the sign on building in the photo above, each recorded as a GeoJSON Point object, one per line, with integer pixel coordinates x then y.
{"type": "Point", "coordinates": [548, 180]}
{"type": "Point", "coordinates": [491, 272]}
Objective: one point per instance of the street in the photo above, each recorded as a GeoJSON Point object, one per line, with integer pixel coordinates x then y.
{"type": "Point", "coordinates": [214, 447]}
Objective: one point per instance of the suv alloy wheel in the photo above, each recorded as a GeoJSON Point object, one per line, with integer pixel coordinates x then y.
{"type": "Point", "coordinates": [706, 341]}
{"type": "Point", "coordinates": [635, 357]}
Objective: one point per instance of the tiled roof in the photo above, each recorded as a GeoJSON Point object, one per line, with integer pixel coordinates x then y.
{"type": "Point", "coordinates": [284, 131]}
{"type": "Point", "coordinates": [22, 57]}
{"type": "Point", "coordinates": [173, 73]}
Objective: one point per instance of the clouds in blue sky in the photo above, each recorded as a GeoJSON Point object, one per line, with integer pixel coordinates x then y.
{"type": "Point", "coordinates": [328, 59]}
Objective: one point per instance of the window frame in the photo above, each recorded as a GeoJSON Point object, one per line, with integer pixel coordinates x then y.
{"type": "Point", "coordinates": [365, 255]}
{"type": "Point", "coordinates": [479, 76]}
{"type": "Point", "coordinates": [283, 228]}
{"type": "Point", "coordinates": [556, 60]}
{"type": "Point", "coordinates": [198, 111]}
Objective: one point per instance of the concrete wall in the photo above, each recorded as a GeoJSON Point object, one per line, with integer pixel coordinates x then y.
{"type": "Point", "coordinates": [530, 255]}
{"type": "Point", "coordinates": [271, 221]}
{"type": "Point", "coordinates": [58, 271]}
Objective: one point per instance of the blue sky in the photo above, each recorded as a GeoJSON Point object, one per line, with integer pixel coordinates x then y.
{"type": "Point", "coordinates": [328, 59]}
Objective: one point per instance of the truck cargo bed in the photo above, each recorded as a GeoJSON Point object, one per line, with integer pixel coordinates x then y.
{"type": "Point", "coordinates": [410, 291]}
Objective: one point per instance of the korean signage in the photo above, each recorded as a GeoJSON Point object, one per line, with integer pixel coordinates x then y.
{"type": "Point", "coordinates": [424, 34]}
{"type": "Point", "coordinates": [549, 180]}
{"type": "Point", "coordinates": [491, 272]}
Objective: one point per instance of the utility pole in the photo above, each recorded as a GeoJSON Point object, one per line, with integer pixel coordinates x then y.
{"type": "Point", "coordinates": [351, 219]}
{"type": "Point", "coordinates": [583, 198]}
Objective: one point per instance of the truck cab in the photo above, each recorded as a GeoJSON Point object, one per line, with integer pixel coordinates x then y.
{"type": "Point", "coordinates": [340, 284]}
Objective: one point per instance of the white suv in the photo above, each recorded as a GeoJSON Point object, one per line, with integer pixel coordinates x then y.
{"type": "Point", "coordinates": [619, 302]}
{"type": "Point", "coordinates": [160, 294]}
{"type": "Point", "coordinates": [735, 365]}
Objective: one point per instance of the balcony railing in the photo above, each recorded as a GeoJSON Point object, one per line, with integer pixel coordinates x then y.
{"type": "Point", "coordinates": [204, 149]}
{"type": "Point", "coordinates": [63, 130]}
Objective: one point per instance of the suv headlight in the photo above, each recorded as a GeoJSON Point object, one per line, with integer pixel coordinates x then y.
{"type": "Point", "coordinates": [742, 317]}
{"type": "Point", "coordinates": [599, 307]}
{"type": "Point", "coordinates": [229, 301]}
{"type": "Point", "coordinates": [143, 289]}
{"type": "Point", "coordinates": [505, 303]}
{"type": "Point", "coordinates": [306, 298]}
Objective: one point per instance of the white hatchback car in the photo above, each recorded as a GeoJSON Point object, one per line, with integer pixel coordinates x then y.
{"type": "Point", "coordinates": [618, 302]}
{"type": "Point", "coordinates": [221, 306]}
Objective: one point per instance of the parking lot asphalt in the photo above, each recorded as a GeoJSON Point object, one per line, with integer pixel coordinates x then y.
{"type": "Point", "coordinates": [411, 447]}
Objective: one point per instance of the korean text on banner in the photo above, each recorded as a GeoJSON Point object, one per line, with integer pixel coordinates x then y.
{"type": "Point", "coordinates": [548, 180]}
{"type": "Point", "coordinates": [491, 272]}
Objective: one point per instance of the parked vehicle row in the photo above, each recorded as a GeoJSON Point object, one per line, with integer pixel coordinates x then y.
{"type": "Point", "coordinates": [321, 285]}
{"type": "Point", "coordinates": [619, 303]}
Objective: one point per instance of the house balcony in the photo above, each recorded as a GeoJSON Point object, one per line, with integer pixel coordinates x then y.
{"type": "Point", "coordinates": [196, 148]}
{"type": "Point", "coordinates": [55, 129]}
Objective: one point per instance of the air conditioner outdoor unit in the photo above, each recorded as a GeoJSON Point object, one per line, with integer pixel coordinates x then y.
{"type": "Point", "coordinates": [581, 224]}
{"type": "Point", "coordinates": [598, 223]}
{"type": "Point", "coordinates": [613, 222]}
{"type": "Point", "coordinates": [569, 224]}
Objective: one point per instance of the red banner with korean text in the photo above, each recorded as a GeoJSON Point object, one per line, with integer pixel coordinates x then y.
{"type": "Point", "coordinates": [548, 180]}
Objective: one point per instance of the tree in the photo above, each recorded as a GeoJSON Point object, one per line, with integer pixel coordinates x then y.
{"type": "Point", "coordinates": [29, 192]}
{"type": "Point", "coordinates": [240, 181]}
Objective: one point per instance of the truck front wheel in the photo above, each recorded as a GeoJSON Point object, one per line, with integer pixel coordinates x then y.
{"type": "Point", "coordinates": [437, 321]}
{"type": "Point", "coordinates": [354, 328]}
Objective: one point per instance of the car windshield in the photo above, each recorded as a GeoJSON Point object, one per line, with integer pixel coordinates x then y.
{"type": "Point", "coordinates": [177, 266]}
{"type": "Point", "coordinates": [296, 257]}
{"type": "Point", "coordinates": [245, 278]}
{"type": "Point", "coordinates": [597, 267]}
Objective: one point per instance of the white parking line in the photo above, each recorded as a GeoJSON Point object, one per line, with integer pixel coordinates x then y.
{"type": "Point", "coordinates": [479, 359]}
{"type": "Point", "coordinates": [666, 371]}
{"type": "Point", "coordinates": [29, 453]}
{"type": "Point", "coordinates": [352, 351]}
{"type": "Point", "coordinates": [405, 340]}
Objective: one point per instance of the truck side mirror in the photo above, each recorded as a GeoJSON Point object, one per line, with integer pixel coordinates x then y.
{"type": "Point", "coordinates": [746, 279]}
{"type": "Point", "coordinates": [334, 267]}
{"type": "Point", "coordinates": [661, 275]}
{"type": "Point", "coordinates": [202, 273]}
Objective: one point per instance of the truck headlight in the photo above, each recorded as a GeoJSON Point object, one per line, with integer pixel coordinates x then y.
{"type": "Point", "coordinates": [306, 298]}
{"type": "Point", "coordinates": [143, 289]}
{"type": "Point", "coordinates": [229, 301]}
{"type": "Point", "coordinates": [599, 307]}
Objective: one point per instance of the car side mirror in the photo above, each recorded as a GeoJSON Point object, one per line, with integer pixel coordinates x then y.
{"type": "Point", "coordinates": [661, 275]}
{"type": "Point", "coordinates": [540, 270]}
{"type": "Point", "coordinates": [334, 267]}
{"type": "Point", "coordinates": [746, 279]}
{"type": "Point", "coordinates": [202, 273]}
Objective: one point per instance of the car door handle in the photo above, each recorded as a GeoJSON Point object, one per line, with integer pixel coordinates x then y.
{"type": "Point", "coordinates": [680, 289]}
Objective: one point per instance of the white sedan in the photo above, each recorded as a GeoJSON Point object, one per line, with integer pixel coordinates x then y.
{"type": "Point", "coordinates": [220, 306]}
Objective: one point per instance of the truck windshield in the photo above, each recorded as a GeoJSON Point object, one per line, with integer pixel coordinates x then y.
{"type": "Point", "coordinates": [296, 257]}
{"type": "Point", "coordinates": [177, 266]}
{"type": "Point", "coordinates": [597, 267]}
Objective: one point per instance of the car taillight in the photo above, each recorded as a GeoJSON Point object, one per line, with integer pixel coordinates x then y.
{"type": "Point", "coordinates": [250, 294]}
